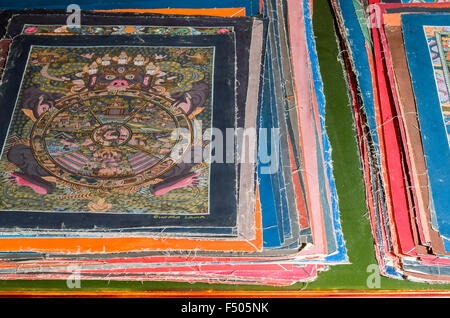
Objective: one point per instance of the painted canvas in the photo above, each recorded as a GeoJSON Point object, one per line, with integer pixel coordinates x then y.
{"type": "Point", "coordinates": [118, 129]}
{"type": "Point", "coordinates": [96, 127]}
{"type": "Point", "coordinates": [438, 38]}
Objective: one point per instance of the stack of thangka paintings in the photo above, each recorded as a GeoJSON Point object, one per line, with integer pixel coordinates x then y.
{"type": "Point", "coordinates": [397, 59]}
{"type": "Point", "coordinates": [168, 147]}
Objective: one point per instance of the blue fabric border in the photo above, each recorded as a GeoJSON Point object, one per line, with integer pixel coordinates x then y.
{"type": "Point", "coordinates": [434, 135]}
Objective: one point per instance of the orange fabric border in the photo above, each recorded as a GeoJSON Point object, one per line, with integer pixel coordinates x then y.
{"type": "Point", "coordinates": [219, 12]}
{"type": "Point", "coordinates": [127, 244]}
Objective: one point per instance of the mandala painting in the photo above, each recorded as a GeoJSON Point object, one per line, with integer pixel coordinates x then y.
{"type": "Point", "coordinates": [110, 129]}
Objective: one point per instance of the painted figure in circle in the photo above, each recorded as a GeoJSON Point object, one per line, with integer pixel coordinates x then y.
{"type": "Point", "coordinates": [31, 174]}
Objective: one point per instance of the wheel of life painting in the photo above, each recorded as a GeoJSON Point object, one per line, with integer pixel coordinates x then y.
{"type": "Point", "coordinates": [103, 139]}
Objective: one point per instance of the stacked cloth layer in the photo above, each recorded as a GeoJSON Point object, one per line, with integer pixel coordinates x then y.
{"type": "Point", "coordinates": [149, 146]}
{"type": "Point", "coordinates": [396, 56]}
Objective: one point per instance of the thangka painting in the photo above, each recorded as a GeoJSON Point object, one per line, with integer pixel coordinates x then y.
{"type": "Point", "coordinates": [110, 130]}
{"type": "Point", "coordinates": [439, 45]}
